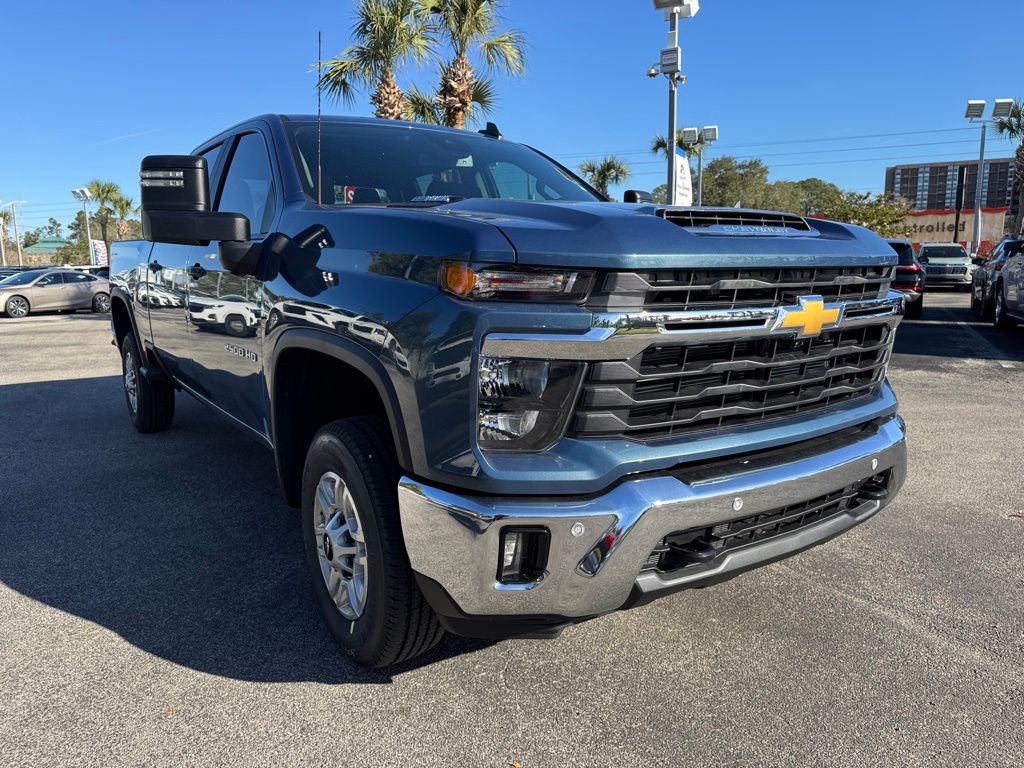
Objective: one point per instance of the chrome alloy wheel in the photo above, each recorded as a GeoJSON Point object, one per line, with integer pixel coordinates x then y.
{"type": "Point", "coordinates": [101, 302]}
{"type": "Point", "coordinates": [340, 545]}
{"type": "Point", "coordinates": [17, 307]}
{"type": "Point", "coordinates": [131, 381]}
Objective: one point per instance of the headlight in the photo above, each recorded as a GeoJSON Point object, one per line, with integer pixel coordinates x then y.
{"type": "Point", "coordinates": [523, 404]}
{"type": "Point", "coordinates": [514, 283]}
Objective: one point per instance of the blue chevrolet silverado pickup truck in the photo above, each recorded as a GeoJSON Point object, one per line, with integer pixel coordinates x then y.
{"type": "Point", "coordinates": [503, 403]}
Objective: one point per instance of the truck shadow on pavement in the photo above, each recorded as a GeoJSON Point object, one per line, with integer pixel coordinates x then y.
{"type": "Point", "coordinates": [180, 542]}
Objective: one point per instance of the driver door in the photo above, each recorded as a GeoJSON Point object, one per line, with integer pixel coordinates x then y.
{"type": "Point", "coordinates": [48, 292]}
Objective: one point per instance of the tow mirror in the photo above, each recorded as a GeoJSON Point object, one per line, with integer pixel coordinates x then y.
{"type": "Point", "coordinates": [175, 203]}
{"type": "Point", "coordinates": [636, 196]}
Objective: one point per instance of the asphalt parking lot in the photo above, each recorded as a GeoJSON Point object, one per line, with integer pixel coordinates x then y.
{"type": "Point", "coordinates": [154, 608]}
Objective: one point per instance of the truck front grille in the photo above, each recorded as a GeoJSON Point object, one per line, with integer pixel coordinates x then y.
{"type": "Point", "coordinates": [665, 289]}
{"type": "Point", "coordinates": [682, 388]}
{"type": "Point", "coordinates": [700, 547]}
{"type": "Point", "coordinates": [951, 270]}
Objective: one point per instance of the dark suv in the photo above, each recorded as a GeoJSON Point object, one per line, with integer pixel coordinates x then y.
{"type": "Point", "coordinates": [502, 403]}
{"type": "Point", "coordinates": [910, 277]}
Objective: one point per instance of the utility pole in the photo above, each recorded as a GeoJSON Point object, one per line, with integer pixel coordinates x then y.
{"type": "Point", "coordinates": [670, 64]}
{"type": "Point", "coordinates": [17, 237]}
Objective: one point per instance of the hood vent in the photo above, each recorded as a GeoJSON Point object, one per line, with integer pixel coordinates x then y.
{"type": "Point", "coordinates": [736, 221]}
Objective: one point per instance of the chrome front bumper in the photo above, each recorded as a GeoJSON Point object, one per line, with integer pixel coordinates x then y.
{"type": "Point", "coordinates": [599, 544]}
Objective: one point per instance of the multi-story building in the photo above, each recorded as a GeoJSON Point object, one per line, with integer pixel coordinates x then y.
{"type": "Point", "coordinates": [931, 190]}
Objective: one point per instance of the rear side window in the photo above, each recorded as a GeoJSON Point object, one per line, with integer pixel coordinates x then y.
{"type": "Point", "coordinates": [905, 252]}
{"type": "Point", "coordinates": [81, 277]}
{"type": "Point", "coordinates": [249, 184]}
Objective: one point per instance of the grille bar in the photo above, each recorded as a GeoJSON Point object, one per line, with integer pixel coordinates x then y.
{"type": "Point", "coordinates": [665, 289]}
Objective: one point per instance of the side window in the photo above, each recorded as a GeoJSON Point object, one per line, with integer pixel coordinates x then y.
{"type": "Point", "coordinates": [51, 279]}
{"type": "Point", "coordinates": [249, 184]}
{"type": "Point", "coordinates": [80, 277]}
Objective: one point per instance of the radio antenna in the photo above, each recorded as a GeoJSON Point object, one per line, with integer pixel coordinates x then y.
{"type": "Point", "coordinates": [319, 64]}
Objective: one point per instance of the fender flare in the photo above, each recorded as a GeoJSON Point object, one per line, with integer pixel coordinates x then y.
{"type": "Point", "coordinates": [352, 354]}
{"type": "Point", "coordinates": [122, 295]}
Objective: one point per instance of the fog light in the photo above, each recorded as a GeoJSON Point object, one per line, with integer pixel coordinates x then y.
{"type": "Point", "coordinates": [523, 555]}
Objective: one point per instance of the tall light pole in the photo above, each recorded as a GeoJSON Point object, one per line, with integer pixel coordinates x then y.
{"type": "Point", "coordinates": [14, 217]}
{"type": "Point", "coordinates": [700, 138]}
{"type": "Point", "coordinates": [670, 64]}
{"type": "Point", "coordinates": [3, 237]}
{"type": "Point", "coordinates": [83, 194]}
{"type": "Point", "coordinates": [975, 113]}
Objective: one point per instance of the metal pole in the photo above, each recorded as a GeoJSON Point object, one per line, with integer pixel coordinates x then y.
{"type": "Point", "coordinates": [3, 252]}
{"type": "Point", "coordinates": [700, 174]}
{"type": "Point", "coordinates": [673, 41]}
{"type": "Point", "coordinates": [976, 236]}
{"type": "Point", "coordinates": [17, 237]}
{"type": "Point", "coordinates": [88, 231]}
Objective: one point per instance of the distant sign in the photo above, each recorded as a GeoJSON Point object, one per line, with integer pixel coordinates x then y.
{"type": "Point", "coordinates": [98, 253]}
{"type": "Point", "coordinates": [684, 184]}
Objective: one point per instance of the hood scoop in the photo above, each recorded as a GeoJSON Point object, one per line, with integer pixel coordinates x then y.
{"type": "Point", "coordinates": [736, 221]}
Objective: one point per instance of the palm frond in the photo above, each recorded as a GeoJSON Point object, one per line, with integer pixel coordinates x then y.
{"type": "Point", "coordinates": [506, 50]}
{"type": "Point", "coordinates": [423, 107]}
{"type": "Point", "coordinates": [483, 98]}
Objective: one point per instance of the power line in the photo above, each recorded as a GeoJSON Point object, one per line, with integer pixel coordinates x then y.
{"type": "Point", "coordinates": [780, 143]}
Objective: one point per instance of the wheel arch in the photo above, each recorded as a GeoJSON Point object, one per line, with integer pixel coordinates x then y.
{"type": "Point", "coordinates": [294, 420]}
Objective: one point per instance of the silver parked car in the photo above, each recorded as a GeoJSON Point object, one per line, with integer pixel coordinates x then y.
{"type": "Point", "coordinates": [946, 264]}
{"type": "Point", "coordinates": [39, 290]}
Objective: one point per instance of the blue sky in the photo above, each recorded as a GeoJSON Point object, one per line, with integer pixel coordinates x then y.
{"type": "Point", "coordinates": [91, 88]}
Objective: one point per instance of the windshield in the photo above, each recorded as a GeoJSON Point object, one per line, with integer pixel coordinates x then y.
{"type": "Point", "coordinates": [379, 164]}
{"type": "Point", "coordinates": [942, 252]}
{"type": "Point", "coordinates": [21, 278]}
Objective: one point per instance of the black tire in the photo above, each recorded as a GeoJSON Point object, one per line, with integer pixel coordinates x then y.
{"type": "Point", "coordinates": [914, 309]}
{"type": "Point", "coordinates": [396, 622]}
{"type": "Point", "coordinates": [17, 307]}
{"type": "Point", "coordinates": [1000, 318]}
{"type": "Point", "coordinates": [234, 325]}
{"type": "Point", "coordinates": [100, 303]}
{"type": "Point", "coordinates": [153, 410]}
{"type": "Point", "coordinates": [977, 306]}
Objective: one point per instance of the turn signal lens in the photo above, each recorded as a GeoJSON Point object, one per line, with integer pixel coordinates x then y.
{"type": "Point", "coordinates": [515, 284]}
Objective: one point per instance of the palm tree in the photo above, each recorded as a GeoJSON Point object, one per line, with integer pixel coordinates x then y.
{"type": "Point", "coordinates": [123, 207]}
{"type": "Point", "coordinates": [388, 33]}
{"type": "Point", "coordinates": [659, 146]}
{"type": "Point", "coordinates": [104, 193]}
{"type": "Point", "coordinates": [466, 25]}
{"type": "Point", "coordinates": [603, 174]}
{"type": "Point", "coordinates": [1012, 127]}
{"type": "Point", "coordinates": [425, 107]}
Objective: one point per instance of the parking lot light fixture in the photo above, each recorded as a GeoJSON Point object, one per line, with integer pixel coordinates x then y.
{"type": "Point", "coordinates": [82, 194]}
{"type": "Point", "coordinates": [975, 112]}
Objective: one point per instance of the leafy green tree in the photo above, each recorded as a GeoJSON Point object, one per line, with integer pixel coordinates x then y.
{"type": "Point", "coordinates": [466, 26]}
{"type": "Point", "coordinates": [603, 173]}
{"type": "Point", "coordinates": [885, 214]}
{"type": "Point", "coordinates": [31, 237]}
{"type": "Point", "coordinates": [728, 181]}
{"type": "Point", "coordinates": [425, 107]}
{"type": "Point", "coordinates": [388, 34]}
{"type": "Point", "coordinates": [53, 228]}
{"type": "Point", "coordinates": [1012, 127]}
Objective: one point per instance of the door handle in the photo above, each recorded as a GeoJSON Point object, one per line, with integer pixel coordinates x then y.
{"type": "Point", "coordinates": [155, 266]}
{"type": "Point", "coordinates": [196, 271]}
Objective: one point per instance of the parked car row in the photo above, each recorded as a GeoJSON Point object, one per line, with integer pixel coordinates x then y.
{"type": "Point", "coordinates": [997, 286]}
{"type": "Point", "coordinates": [59, 288]}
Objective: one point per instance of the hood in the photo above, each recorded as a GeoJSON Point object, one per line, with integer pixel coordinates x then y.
{"type": "Point", "coordinates": [621, 235]}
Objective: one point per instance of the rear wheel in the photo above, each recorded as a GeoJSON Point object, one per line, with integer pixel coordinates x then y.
{"type": "Point", "coordinates": [914, 309]}
{"type": "Point", "coordinates": [354, 549]}
{"type": "Point", "coordinates": [150, 403]}
{"type": "Point", "coordinates": [17, 307]}
{"type": "Point", "coordinates": [101, 302]}
{"type": "Point", "coordinates": [1000, 317]}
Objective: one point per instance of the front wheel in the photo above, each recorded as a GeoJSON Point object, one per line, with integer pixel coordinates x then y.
{"type": "Point", "coordinates": [101, 303]}
{"type": "Point", "coordinates": [150, 403]}
{"type": "Point", "coordinates": [235, 325]}
{"type": "Point", "coordinates": [17, 307]}
{"type": "Point", "coordinates": [354, 548]}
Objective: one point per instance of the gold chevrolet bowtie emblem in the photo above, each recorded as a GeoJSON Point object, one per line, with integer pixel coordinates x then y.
{"type": "Point", "coordinates": [810, 317]}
